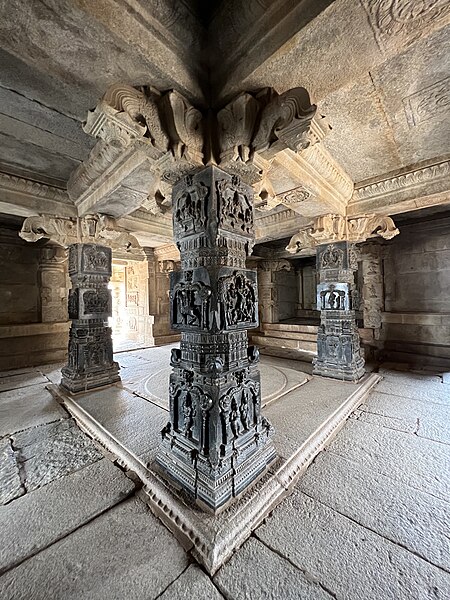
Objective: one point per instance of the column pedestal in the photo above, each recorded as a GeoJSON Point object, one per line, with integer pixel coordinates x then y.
{"type": "Point", "coordinates": [338, 347]}
{"type": "Point", "coordinates": [90, 362]}
{"type": "Point", "coordinates": [216, 443]}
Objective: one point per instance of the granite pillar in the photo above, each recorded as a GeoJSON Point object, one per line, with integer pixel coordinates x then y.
{"type": "Point", "coordinates": [90, 362]}
{"type": "Point", "coordinates": [216, 443]}
{"type": "Point", "coordinates": [52, 284]}
{"type": "Point", "coordinates": [338, 348]}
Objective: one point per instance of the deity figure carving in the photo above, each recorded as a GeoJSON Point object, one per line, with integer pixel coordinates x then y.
{"type": "Point", "coordinates": [190, 303]}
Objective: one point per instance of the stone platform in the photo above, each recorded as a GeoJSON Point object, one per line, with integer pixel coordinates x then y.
{"type": "Point", "coordinates": [127, 420]}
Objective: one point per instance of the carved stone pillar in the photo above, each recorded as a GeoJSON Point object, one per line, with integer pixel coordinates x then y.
{"type": "Point", "coordinates": [267, 288]}
{"type": "Point", "coordinates": [372, 290]}
{"type": "Point", "coordinates": [216, 443]}
{"type": "Point", "coordinates": [338, 348]}
{"type": "Point", "coordinates": [90, 362]}
{"type": "Point", "coordinates": [53, 284]}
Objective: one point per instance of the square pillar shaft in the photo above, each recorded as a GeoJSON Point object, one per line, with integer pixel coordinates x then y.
{"type": "Point", "coordinates": [216, 443]}
{"type": "Point", "coordinates": [90, 362]}
{"type": "Point", "coordinates": [338, 347]}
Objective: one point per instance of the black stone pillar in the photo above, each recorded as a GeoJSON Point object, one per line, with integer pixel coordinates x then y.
{"type": "Point", "coordinates": [338, 349]}
{"type": "Point", "coordinates": [216, 443]}
{"type": "Point", "coordinates": [90, 362]}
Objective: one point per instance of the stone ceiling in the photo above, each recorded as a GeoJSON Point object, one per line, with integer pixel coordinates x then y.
{"type": "Point", "coordinates": [378, 69]}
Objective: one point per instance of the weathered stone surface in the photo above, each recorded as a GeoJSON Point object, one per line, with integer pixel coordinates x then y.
{"type": "Point", "coordinates": [193, 583]}
{"type": "Point", "coordinates": [124, 553]}
{"type": "Point", "coordinates": [27, 407]}
{"type": "Point", "coordinates": [21, 380]}
{"type": "Point", "coordinates": [314, 402]}
{"type": "Point", "coordinates": [426, 419]}
{"type": "Point", "coordinates": [412, 388]}
{"type": "Point", "coordinates": [410, 460]}
{"type": "Point", "coordinates": [123, 414]}
{"type": "Point", "coordinates": [257, 573]}
{"type": "Point", "coordinates": [350, 561]}
{"type": "Point", "coordinates": [402, 514]}
{"type": "Point", "coordinates": [46, 515]}
{"type": "Point", "coordinates": [10, 484]}
{"type": "Point", "coordinates": [53, 451]}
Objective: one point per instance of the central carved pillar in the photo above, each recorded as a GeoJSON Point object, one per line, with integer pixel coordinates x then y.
{"type": "Point", "coordinates": [90, 362]}
{"type": "Point", "coordinates": [338, 347]}
{"type": "Point", "coordinates": [216, 443]}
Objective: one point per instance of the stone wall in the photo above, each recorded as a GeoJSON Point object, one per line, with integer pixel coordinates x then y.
{"type": "Point", "coordinates": [416, 321]}
{"type": "Point", "coordinates": [287, 288]}
{"type": "Point", "coordinates": [33, 289]}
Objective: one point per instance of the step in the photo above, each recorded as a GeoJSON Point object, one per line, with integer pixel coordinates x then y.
{"type": "Point", "coordinates": [285, 343]}
{"type": "Point", "coordinates": [290, 327]}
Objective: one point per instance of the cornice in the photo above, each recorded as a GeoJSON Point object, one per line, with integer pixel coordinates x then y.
{"type": "Point", "coordinates": [33, 188]}
{"type": "Point", "coordinates": [403, 191]}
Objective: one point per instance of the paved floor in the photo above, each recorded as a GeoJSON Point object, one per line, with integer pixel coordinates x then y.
{"type": "Point", "coordinates": [369, 520]}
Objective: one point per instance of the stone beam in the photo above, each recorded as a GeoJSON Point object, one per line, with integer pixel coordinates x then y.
{"type": "Point", "coordinates": [23, 197]}
{"type": "Point", "coordinates": [411, 189]}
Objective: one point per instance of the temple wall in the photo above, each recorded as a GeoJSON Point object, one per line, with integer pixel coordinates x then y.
{"type": "Point", "coordinates": [33, 323]}
{"type": "Point", "coordinates": [287, 288]}
{"type": "Point", "coordinates": [416, 317]}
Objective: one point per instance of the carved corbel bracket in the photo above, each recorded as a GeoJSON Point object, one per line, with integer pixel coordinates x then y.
{"type": "Point", "coordinates": [275, 265]}
{"type": "Point", "coordinates": [98, 229]}
{"type": "Point", "coordinates": [143, 137]}
{"type": "Point", "coordinates": [327, 229]}
{"type": "Point", "coordinates": [272, 141]}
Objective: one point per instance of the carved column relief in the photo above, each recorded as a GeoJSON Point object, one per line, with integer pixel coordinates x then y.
{"type": "Point", "coordinates": [216, 443]}
{"type": "Point", "coordinates": [267, 288]}
{"type": "Point", "coordinates": [372, 292]}
{"type": "Point", "coordinates": [91, 362]}
{"type": "Point", "coordinates": [338, 348]}
{"type": "Point", "coordinates": [53, 284]}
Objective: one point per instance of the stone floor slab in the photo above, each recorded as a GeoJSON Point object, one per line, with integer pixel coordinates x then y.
{"type": "Point", "coordinates": [27, 407]}
{"type": "Point", "coordinates": [427, 419]}
{"type": "Point", "coordinates": [349, 560]}
{"type": "Point", "coordinates": [404, 515]}
{"type": "Point", "coordinates": [302, 411]}
{"type": "Point", "coordinates": [193, 583]}
{"type": "Point", "coordinates": [44, 516]}
{"type": "Point", "coordinates": [257, 573]}
{"type": "Point", "coordinates": [131, 419]}
{"type": "Point", "coordinates": [409, 460]}
{"type": "Point", "coordinates": [427, 388]}
{"type": "Point", "coordinates": [124, 553]}
{"type": "Point", "coordinates": [21, 380]}
{"type": "Point", "coordinates": [10, 484]}
{"type": "Point", "coordinates": [52, 451]}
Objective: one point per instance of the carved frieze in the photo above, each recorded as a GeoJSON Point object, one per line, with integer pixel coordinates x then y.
{"type": "Point", "coordinates": [401, 22]}
{"type": "Point", "coordinates": [237, 299]}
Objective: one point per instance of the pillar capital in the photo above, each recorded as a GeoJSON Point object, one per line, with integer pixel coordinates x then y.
{"type": "Point", "coordinates": [147, 140]}
{"type": "Point", "coordinates": [67, 231]}
{"type": "Point", "coordinates": [331, 228]}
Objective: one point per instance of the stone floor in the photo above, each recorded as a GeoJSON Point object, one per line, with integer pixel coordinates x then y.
{"type": "Point", "coordinates": [369, 519]}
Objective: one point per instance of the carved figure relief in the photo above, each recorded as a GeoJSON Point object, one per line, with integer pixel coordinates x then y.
{"type": "Point", "coordinates": [191, 303]}
{"type": "Point", "coordinates": [96, 259]}
{"type": "Point", "coordinates": [191, 208]}
{"type": "Point", "coordinates": [96, 301]}
{"type": "Point", "coordinates": [238, 409]}
{"type": "Point", "coordinates": [332, 298]}
{"type": "Point", "coordinates": [332, 258]}
{"type": "Point", "coordinates": [237, 295]}
{"type": "Point", "coordinates": [235, 211]}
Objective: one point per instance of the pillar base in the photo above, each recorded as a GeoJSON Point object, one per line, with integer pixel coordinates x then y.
{"type": "Point", "coordinates": [353, 372]}
{"type": "Point", "coordinates": [213, 489]}
{"type": "Point", "coordinates": [76, 383]}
